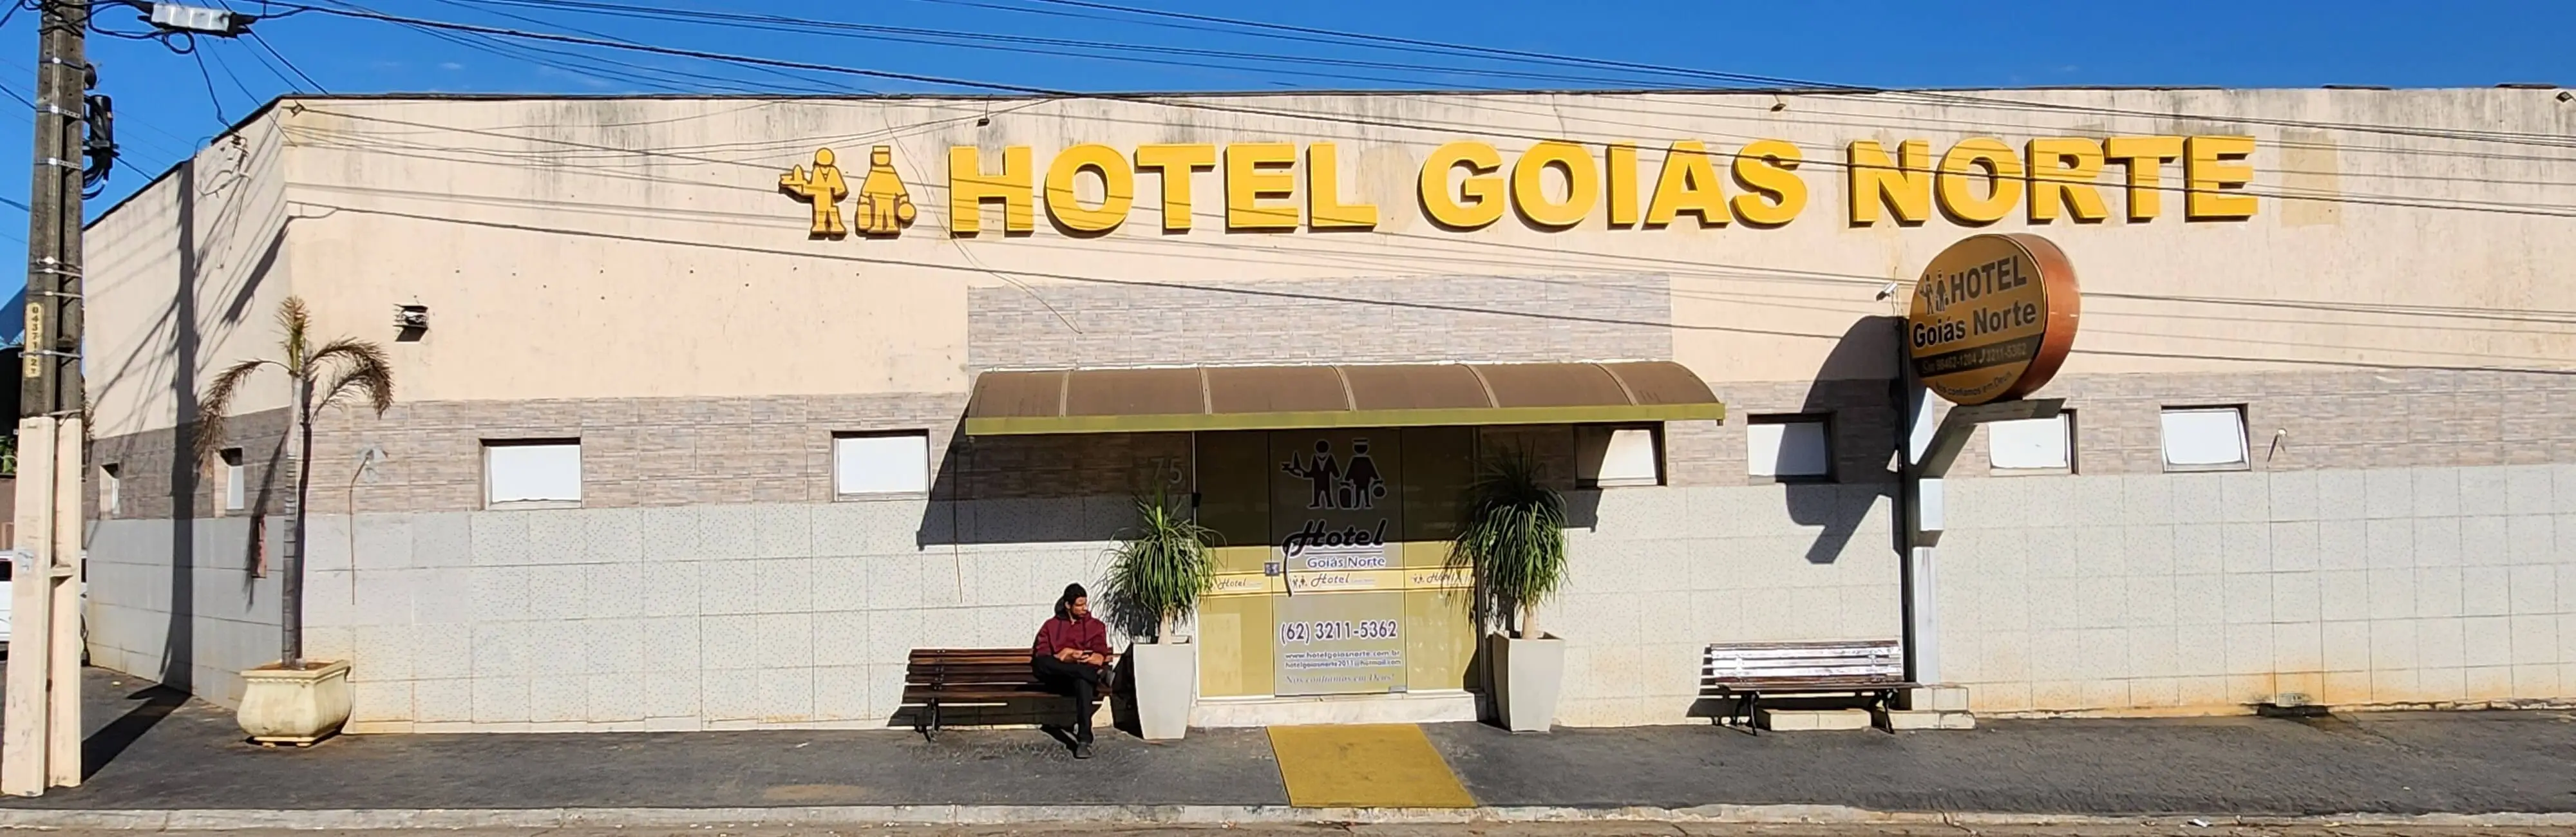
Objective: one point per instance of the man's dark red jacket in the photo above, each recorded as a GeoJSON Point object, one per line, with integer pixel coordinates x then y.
{"type": "Point", "coordinates": [1086, 633]}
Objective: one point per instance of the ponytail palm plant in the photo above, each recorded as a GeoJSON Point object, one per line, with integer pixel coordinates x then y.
{"type": "Point", "coordinates": [1511, 542]}
{"type": "Point", "coordinates": [1158, 572]}
{"type": "Point", "coordinates": [316, 378]}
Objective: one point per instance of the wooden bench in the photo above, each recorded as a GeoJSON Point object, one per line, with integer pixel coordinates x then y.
{"type": "Point", "coordinates": [935, 678]}
{"type": "Point", "coordinates": [1744, 672]}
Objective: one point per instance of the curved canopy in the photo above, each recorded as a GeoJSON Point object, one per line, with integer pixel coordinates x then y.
{"type": "Point", "coordinates": [1283, 397]}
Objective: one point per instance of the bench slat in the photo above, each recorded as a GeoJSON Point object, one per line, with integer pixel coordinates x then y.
{"type": "Point", "coordinates": [986, 675]}
{"type": "Point", "coordinates": [1800, 687]}
{"type": "Point", "coordinates": [1791, 666]}
{"type": "Point", "coordinates": [1800, 653]}
{"type": "Point", "coordinates": [1759, 646]}
{"type": "Point", "coordinates": [1806, 671]}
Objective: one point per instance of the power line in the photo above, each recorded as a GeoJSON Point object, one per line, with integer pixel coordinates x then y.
{"type": "Point", "coordinates": [210, 88]}
{"type": "Point", "coordinates": [1392, 42]}
{"type": "Point", "coordinates": [2399, 201]}
{"type": "Point", "coordinates": [578, 64]}
{"type": "Point", "coordinates": [1015, 43]}
{"type": "Point", "coordinates": [1415, 47]}
{"type": "Point", "coordinates": [227, 67]}
{"type": "Point", "coordinates": [290, 65]}
{"type": "Point", "coordinates": [595, 34]}
{"type": "Point", "coordinates": [281, 57]}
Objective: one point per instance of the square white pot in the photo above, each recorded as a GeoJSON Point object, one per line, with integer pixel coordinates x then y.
{"type": "Point", "coordinates": [1527, 676]}
{"type": "Point", "coordinates": [294, 707]}
{"type": "Point", "coordinates": [1167, 679]}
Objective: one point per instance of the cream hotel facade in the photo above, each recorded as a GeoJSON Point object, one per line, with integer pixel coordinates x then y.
{"type": "Point", "coordinates": [724, 405]}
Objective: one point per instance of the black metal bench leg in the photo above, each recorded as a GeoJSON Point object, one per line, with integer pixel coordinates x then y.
{"type": "Point", "coordinates": [933, 734]}
{"type": "Point", "coordinates": [1752, 705]}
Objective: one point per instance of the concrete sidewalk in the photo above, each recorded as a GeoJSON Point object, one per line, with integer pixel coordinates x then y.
{"type": "Point", "coordinates": [151, 751]}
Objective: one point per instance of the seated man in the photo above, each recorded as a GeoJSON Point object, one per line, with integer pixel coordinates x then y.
{"type": "Point", "coordinates": [1072, 654]}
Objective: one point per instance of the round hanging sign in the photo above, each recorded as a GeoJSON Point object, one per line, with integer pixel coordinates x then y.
{"type": "Point", "coordinates": [1993, 318]}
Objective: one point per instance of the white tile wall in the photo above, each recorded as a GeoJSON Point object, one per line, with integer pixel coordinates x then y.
{"type": "Point", "coordinates": [2402, 586]}
{"type": "Point", "coordinates": [2139, 591]}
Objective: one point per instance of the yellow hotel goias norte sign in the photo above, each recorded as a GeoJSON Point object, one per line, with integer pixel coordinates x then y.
{"type": "Point", "coordinates": [1471, 184]}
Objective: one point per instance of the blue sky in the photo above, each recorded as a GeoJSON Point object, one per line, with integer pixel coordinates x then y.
{"type": "Point", "coordinates": [166, 107]}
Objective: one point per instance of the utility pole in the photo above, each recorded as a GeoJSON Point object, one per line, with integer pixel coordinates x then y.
{"type": "Point", "coordinates": [40, 729]}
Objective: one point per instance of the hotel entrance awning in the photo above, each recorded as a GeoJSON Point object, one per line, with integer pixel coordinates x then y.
{"type": "Point", "coordinates": [1284, 397]}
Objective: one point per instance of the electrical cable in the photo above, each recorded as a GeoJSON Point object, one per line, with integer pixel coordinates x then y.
{"type": "Point", "coordinates": [1414, 47]}
{"type": "Point", "coordinates": [2550, 210]}
{"type": "Point", "coordinates": [946, 37]}
{"type": "Point", "coordinates": [274, 71]}
{"type": "Point", "coordinates": [235, 78]}
{"type": "Point", "coordinates": [578, 64]}
{"type": "Point", "coordinates": [1954, 98]}
{"type": "Point", "coordinates": [210, 88]}
{"type": "Point", "coordinates": [595, 34]}
{"type": "Point", "coordinates": [263, 44]}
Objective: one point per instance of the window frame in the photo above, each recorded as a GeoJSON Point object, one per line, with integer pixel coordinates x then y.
{"type": "Point", "coordinates": [1825, 426]}
{"type": "Point", "coordinates": [112, 490]}
{"type": "Point", "coordinates": [581, 482]}
{"type": "Point", "coordinates": [2073, 452]}
{"type": "Point", "coordinates": [1654, 438]}
{"type": "Point", "coordinates": [236, 497]}
{"type": "Point", "coordinates": [2244, 438]}
{"type": "Point", "coordinates": [928, 468]}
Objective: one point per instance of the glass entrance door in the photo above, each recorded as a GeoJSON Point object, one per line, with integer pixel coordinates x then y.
{"type": "Point", "coordinates": [1331, 579]}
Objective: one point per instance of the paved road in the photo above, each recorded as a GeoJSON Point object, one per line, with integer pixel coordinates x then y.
{"type": "Point", "coordinates": [151, 750]}
{"type": "Point", "coordinates": [1589, 829]}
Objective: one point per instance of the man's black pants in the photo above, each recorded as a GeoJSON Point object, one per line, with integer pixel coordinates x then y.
{"type": "Point", "coordinates": [1081, 680]}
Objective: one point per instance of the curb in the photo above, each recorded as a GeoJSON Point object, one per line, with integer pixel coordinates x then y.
{"type": "Point", "coordinates": [531, 818]}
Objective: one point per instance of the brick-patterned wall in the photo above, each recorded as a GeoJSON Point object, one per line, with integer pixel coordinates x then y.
{"type": "Point", "coordinates": [2326, 418]}
{"type": "Point", "coordinates": [146, 468]}
{"type": "Point", "coordinates": [667, 452]}
{"type": "Point", "coordinates": [1397, 320]}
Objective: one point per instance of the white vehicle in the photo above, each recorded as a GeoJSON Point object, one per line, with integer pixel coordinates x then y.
{"type": "Point", "coordinates": [8, 573]}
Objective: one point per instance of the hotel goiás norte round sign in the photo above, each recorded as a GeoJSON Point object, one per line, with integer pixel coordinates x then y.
{"type": "Point", "coordinates": [1993, 318]}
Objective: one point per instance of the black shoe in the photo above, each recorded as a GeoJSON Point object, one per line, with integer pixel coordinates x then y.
{"type": "Point", "coordinates": [1082, 750]}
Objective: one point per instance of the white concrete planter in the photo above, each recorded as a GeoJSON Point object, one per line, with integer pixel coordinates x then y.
{"type": "Point", "coordinates": [1167, 679]}
{"type": "Point", "coordinates": [294, 707]}
{"type": "Point", "coordinates": [1527, 676]}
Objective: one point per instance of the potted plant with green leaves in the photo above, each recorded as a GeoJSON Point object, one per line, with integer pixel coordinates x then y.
{"type": "Point", "coordinates": [1512, 545]}
{"type": "Point", "coordinates": [1157, 573]}
{"type": "Point", "coordinates": [295, 700]}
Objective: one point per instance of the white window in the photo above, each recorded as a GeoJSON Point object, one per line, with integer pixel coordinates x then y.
{"type": "Point", "coordinates": [234, 489]}
{"type": "Point", "coordinates": [880, 463]}
{"type": "Point", "coordinates": [2204, 438]}
{"type": "Point", "coordinates": [1788, 447]}
{"type": "Point", "coordinates": [1615, 456]}
{"type": "Point", "coordinates": [111, 497]}
{"type": "Point", "coordinates": [532, 474]}
{"type": "Point", "coordinates": [2046, 444]}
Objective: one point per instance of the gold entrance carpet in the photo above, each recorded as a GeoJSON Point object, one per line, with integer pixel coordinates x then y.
{"type": "Point", "coordinates": [1365, 766]}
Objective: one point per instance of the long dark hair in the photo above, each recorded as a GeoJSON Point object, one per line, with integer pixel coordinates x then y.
{"type": "Point", "coordinates": [1064, 603]}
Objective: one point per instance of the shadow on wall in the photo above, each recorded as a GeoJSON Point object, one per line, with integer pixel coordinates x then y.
{"type": "Point", "coordinates": [1082, 488]}
{"type": "Point", "coordinates": [178, 649]}
{"type": "Point", "coordinates": [1041, 489]}
{"type": "Point", "coordinates": [1855, 391]}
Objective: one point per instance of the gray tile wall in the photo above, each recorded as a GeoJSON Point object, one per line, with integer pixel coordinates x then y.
{"type": "Point", "coordinates": [461, 611]}
{"type": "Point", "coordinates": [2393, 586]}
{"type": "Point", "coordinates": [180, 602]}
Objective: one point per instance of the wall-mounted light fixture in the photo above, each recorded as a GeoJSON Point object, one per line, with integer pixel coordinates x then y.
{"type": "Point", "coordinates": [411, 317]}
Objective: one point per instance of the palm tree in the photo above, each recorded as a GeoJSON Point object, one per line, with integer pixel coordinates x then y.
{"type": "Point", "coordinates": [338, 370]}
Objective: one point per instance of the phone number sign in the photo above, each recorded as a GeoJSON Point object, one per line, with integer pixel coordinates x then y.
{"type": "Point", "coordinates": [1340, 643]}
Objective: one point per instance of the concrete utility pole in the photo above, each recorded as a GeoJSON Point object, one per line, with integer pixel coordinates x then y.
{"type": "Point", "coordinates": [40, 729]}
